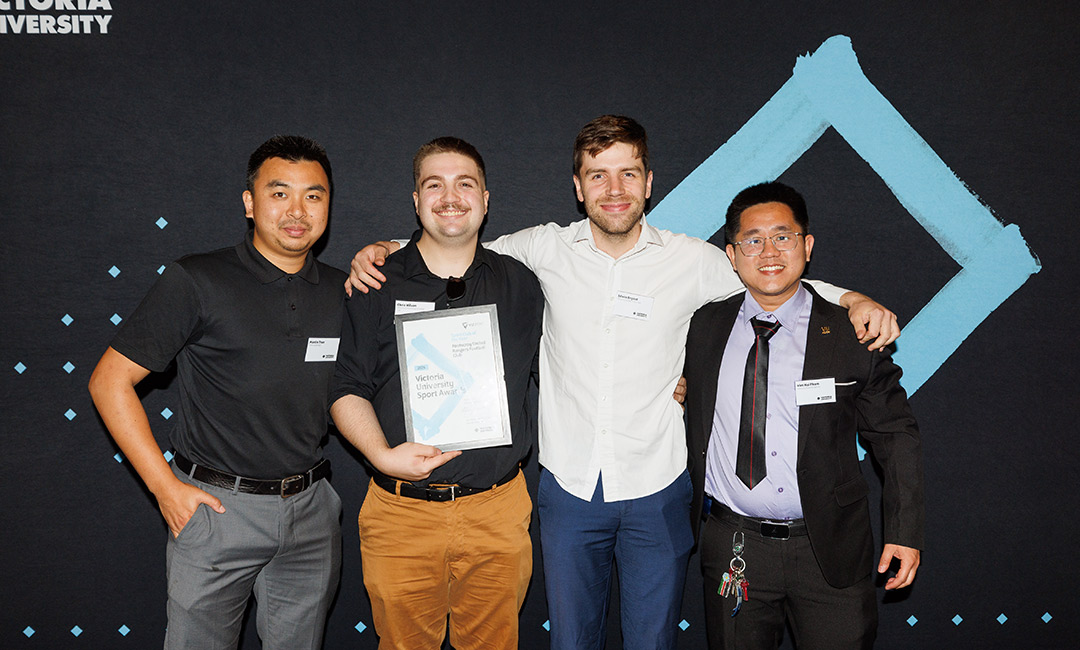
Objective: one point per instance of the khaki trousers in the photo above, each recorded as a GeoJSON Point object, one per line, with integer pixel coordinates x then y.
{"type": "Point", "coordinates": [469, 559]}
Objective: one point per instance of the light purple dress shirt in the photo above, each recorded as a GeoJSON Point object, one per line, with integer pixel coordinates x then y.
{"type": "Point", "coordinates": [777, 496]}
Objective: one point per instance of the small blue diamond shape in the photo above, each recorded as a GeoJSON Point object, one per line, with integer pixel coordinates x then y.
{"type": "Point", "coordinates": [69, 414]}
{"type": "Point", "coordinates": [1046, 617]}
{"type": "Point", "coordinates": [116, 319]}
{"type": "Point", "coordinates": [161, 223]}
{"type": "Point", "coordinates": [161, 269]}
{"type": "Point", "coordinates": [168, 456]}
{"type": "Point", "coordinates": [118, 458]}
{"type": "Point", "coordinates": [20, 368]}
{"type": "Point", "coordinates": [547, 625]}
{"type": "Point", "coordinates": [956, 620]}
{"type": "Point", "coordinates": [360, 627]}
{"type": "Point", "coordinates": [29, 631]}
{"type": "Point", "coordinates": [68, 367]}
{"type": "Point", "coordinates": [166, 413]}
{"type": "Point", "coordinates": [1002, 618]}
{"type": "Point", "coordinates": [123, 630]}
{"type": "Point", "coordinates": [911, 620]}
{"type": "Point", "coordinates": [67, 319]}
{"type": "Point", "coordinates": [76, 631]}
{"type": "Point", "coordinates": [683, 625]}
{"type": "Point", "coordinates": [114, 271]}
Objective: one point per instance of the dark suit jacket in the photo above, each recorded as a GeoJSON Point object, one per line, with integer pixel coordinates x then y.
{"type": "Point", "coordinates": [831, 485]}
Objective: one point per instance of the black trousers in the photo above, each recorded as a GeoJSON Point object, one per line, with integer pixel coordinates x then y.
{"type": "Point", "coordinates": [785, 586]}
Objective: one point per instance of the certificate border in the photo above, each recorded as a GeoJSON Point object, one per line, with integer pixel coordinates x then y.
{"type": "Point", "coordinates": [493, 313]}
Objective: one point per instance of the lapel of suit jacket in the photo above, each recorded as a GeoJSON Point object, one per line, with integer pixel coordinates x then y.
{"type": "Point", "coordinates": [726, 313]}
{"type": "Point", "coordinates": [822, 335]}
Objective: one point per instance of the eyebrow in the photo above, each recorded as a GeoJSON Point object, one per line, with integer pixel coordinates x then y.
{"type": "Point", "coordinates": [776, 229]}
{"type": "Point", "coordinates": [441, 177]}
{"type": "Point", "coordinates": [280, 183]}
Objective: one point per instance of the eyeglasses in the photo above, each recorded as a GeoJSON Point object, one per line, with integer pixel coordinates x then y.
{"type": "Point", "coordinates": [753, 246]}
{"type": "Point", "coordinates": [455, 288]}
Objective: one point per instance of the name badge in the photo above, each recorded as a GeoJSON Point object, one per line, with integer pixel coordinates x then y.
{"type": "Point", "coordinates": [815, 391]}
{"type": "Point", "coordinates": [631, 305]}
{"type": "Point", "coordinates": [412, 307]}
{"type": "Point", "coordinates": [322, 349]}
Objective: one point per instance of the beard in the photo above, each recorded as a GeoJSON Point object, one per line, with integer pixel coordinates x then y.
{"type": "Point", "coordinates": [615, 225]}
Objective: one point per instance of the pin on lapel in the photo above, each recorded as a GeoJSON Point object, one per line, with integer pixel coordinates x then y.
{"type": "Point", "coordinates": [825, 329]}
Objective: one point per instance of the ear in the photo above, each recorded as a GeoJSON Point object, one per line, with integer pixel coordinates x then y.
{"type": "Point", "coordinates": [416, 202]}
{"type": "Point", "coordinates": [249, 205]}
{"type": "Point", "coordinates": [487, 197]}
{"type": "Point", "coordinates": [730, 250]}
{"type": "Point", "coordinates": [809, 242]}
{"type": "Point", "coordinates": [577, 188]}
{"type": "Point", "coordinates": [648, 184]}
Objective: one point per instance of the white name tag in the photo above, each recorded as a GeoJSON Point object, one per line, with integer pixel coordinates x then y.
{"type": "Point", "coordinates": [322, 349]}
{"type": "Point", "coordinates": [632, 305]}
{"type": "Point", "coordinates": [815, 391]}
{"type": "Point", "coordinates": [412, 306]}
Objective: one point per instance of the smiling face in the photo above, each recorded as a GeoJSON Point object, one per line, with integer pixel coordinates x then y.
{"type": "Point", "coordinates": [614, 185]}
{"type": "Point", "coordinates": [773, 276]}
{"type": "Point", "coordinates": [450, 198]}
{"type": "Point", "coordinates": [289, 205]}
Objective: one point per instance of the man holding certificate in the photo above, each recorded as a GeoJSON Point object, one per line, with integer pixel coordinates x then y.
{"type": "Point", "coordinates": [441, 359]}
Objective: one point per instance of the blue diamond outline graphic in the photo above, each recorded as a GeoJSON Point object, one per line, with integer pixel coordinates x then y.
{"type": "Point", "coordinates": [161, 223]}
{"type": "Point", "coordinates": [360, 627]}
{"type": "Point", "coordinates": [113, 271]}
{"type": "Point", "coordinates": [911, 620]}
{"type": "Point", "coordinates": [957, 620]}
{"type": "Point", "coordinates": [123, 630]}
{"type": "Point", "coordinates": [68, 367]}
{"type": "Point", "coordinates": [829, 89]}
{"type": "Point", "coordinates": [20, 367]}
{"type": "Point", "coordinates": [1046, 617]}
{"type": "Point", "coordinates": [1001, 618]}
{"type": "Point", "coordinates": [28, 631]}
{"type": "Point", "coordinates": [76, 631]}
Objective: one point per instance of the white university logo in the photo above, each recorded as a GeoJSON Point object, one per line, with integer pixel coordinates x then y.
{"type": "Point", "coordinates": [55, 16]}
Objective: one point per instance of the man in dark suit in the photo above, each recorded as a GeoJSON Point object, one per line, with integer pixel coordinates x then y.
{"type": "Point", "coordinates": [777, 386]}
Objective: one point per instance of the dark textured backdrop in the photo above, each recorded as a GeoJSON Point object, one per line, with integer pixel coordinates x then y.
{"type": "Point", "coordinates": [102, 135]}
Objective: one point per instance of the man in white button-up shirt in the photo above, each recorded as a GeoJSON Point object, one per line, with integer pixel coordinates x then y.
{"type": "Point", "coordinates": [619, 295]}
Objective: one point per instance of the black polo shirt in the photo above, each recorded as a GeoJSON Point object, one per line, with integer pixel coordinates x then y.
{"type": "Point", "coordinates": [368, 360]}
{"type": "Point", "coordinates": [239, 329]}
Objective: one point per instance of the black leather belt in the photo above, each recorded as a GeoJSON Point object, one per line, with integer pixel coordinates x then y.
{"type": "Point", "coordinates": [436, 492]}
{"type": "Point", "coordinates": [285, 487]}
{"type": "Point", "coordinates": [765, 527]}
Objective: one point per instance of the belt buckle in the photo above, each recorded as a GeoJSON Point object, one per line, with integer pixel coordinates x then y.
{"type": "Point", "coordinates": [291, 485]}
{"type": "Point", "coordinates": [438, 492]}
{"type": "Point", "coordinates": [775, 530]}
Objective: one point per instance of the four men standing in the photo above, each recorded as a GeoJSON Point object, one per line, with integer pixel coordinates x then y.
{"type": "Point", "coordinates": [447, 533]}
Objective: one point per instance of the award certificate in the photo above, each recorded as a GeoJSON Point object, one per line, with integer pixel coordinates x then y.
{"type": "Point", "coordinates": [452, 382]}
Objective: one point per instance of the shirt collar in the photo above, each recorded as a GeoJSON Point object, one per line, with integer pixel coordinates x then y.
{"type": "Point", "coordinates": [786, 314]}
{"type": "Point", "coordinates": [414, 263]}
{"type": "Point", "coordinates": [580, 231]}
{"type": "Point", "coordinates": [265, 271]}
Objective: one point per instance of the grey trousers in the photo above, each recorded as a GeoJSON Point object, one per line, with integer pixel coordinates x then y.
{"type": "Point", "coordinates": [285, 551]}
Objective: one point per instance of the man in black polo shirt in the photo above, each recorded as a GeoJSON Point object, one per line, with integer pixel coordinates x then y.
{"type": "Point", "coordinates": [254, 331]}
{"type": "Point", "coordinates": [441, 533]}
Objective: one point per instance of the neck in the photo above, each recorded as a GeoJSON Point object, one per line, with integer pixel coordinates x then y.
{"type": "Point", "coordinates": [774, 302]}
{"type": "Point", "coordinates": [615, 245]}
{"type": "Point", "coordinates": [288, 264]}
{"type": "Point", "coordinates": [447, 260]}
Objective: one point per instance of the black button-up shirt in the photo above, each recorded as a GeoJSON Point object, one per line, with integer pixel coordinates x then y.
{"type": "Point", "coordinates": [239, 329]}
{"type": "Point", "coordinates": [368, 360]}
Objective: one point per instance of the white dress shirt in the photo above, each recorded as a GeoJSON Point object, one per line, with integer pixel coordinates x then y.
{"type": "Point", "coordinates": [606, 380]}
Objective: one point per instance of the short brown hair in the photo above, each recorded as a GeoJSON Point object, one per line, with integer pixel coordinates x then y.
{"type": "Point", "coordinates": [446, 144]}
{"type": "Point", "coordinates": [606, 130]}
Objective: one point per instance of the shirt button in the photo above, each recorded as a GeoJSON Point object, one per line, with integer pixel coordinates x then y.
{"type": "Point", "coordinates": [774, 453]}
{"type": "Point", "coordinates": [292, 307]}
{"type": "Point", "coordinates": [603, 398]}
{"type": "Point", "coordinates": [603, 432]}
{"type": "Point", "coordinates": [779, 489]}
